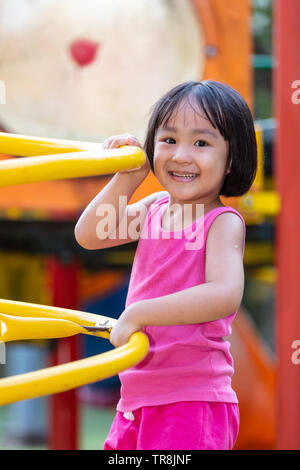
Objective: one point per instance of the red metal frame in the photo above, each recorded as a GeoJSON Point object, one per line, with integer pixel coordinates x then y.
{"type": "Point", "coordinates": [287, 171]}
{"type": "Point", "coordinates": [63, 410]}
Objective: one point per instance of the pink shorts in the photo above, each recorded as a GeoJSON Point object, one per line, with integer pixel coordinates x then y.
{"type": "Point", "coordinates": [176, 426]}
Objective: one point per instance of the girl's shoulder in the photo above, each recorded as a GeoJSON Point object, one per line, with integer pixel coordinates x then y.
{"type": "Point", "coordinates": [225, 213]}
{"type": "Point", "coordinates": [226, 223]}
{"type": "Point", "coordinates": [160, 198]}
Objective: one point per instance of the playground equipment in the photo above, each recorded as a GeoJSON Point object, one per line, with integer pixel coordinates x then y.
{"type": "Point", "coordinates": [50, 159]}
{"type": "Point", "coordinates": [19, 320]}
{"type": "Point", "coordinates": [56, 159]}
{"type": "Point", "coordinates": [51, 322]}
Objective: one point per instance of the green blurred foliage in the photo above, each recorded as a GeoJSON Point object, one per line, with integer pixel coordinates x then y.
{"type": "Point", "coordinates": [262, 26]}
{"type": "Point", "coordinates": [262, 23]}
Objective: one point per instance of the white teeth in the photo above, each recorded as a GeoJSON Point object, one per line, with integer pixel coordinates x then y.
{"type": "Point", "coordinates": [185, 176]}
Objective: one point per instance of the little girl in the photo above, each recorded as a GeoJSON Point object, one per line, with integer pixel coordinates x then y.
{"type": "Point", "coordinates": [186, 284]}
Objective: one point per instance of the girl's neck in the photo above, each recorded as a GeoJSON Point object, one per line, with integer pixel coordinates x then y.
{"type": "Point", "coordinates": [208, 205]}
{"type": "Point", "coordinates": [195, 210]}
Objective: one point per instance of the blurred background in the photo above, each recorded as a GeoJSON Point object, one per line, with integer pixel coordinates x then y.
{"type": "Point", "coordinates": [87, 69]}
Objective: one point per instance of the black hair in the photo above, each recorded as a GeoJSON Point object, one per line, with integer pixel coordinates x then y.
{"type": "Point", "coordinates": [228, 112]}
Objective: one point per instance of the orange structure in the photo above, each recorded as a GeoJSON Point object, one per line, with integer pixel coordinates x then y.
{"type": "Point", "coordinates": [254, 380]}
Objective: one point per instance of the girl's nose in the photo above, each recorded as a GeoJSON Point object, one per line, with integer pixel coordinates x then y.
{"type": "Point", "coordinates": [181, 156]}
{"type": "Point", "coordinates": [83, 51]}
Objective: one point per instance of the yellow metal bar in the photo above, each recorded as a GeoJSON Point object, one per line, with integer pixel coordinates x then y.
{"type": "Point", "coordinates": [262, 203]}
{"type": "Point", "coordinates": [261, 252]}
{"type": "Point", "coordinates": [29, 146]}
{"type": "Point", "coordinates": [69, 165]}
{"type": "Point", "coordinates": [258, 184]}
{"type": "Point", "coordinates": [23, 320]}
{"type": "Point", "coordinates": [14, 328]}
{"type": "Point", "coordinates": [266, 274]}
{"type": "Point", "coordinates": [74, 374]}
{"type": "Point", "coordinates": [26, 309]}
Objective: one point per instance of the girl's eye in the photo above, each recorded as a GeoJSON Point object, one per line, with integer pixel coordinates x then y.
{"type": "Point", "coordinates": [170, 140]}
{"type": "Point", "coordinates": [201, 143]}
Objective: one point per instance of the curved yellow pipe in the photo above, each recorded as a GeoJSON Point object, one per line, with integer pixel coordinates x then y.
{"type": "Point", "coordinates": [25, 146]}
{"type": "Point", "coordinates": [26, 309]}
{"type": "Point", "coordinates": [74, 374]}
{"type": "Point", "coordinates": [14, 328]}
{"type": "Point", "coordinates": [69, 165]}
{"type": "Point", "coordinates": [22, 320]}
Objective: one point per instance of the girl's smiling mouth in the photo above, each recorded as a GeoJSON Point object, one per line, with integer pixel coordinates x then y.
{"type": "Point", "coordinates": [183, 177]}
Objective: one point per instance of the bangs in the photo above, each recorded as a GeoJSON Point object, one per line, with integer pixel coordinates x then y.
{"type": "Point", "coordinates": [199, 98]}
{"type": "Point", "coordinates": [213, 107]}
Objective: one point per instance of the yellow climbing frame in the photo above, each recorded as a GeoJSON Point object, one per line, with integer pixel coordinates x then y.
{"type": "Point", "coordinates": [51, 159]}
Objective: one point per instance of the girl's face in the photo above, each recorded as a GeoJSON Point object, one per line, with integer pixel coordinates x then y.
{"type": "Point", "coordinates": [190, 157]}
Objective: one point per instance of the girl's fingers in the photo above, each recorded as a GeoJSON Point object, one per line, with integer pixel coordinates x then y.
{"type": "Point", "coordinates": [119, 140]}
{"type": "Point", "coordinates": [133, 141]}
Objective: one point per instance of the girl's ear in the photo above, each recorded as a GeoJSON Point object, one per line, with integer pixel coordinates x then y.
{"type": "Point", "coordinates": [229, 166]}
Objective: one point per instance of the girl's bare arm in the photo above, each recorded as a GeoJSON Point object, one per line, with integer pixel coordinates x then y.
{"type": "Point", "coordinates": [106, 221]}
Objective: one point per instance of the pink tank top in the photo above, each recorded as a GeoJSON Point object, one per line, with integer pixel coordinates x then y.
{"type": "Point", "coordinates": [184, 362]}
